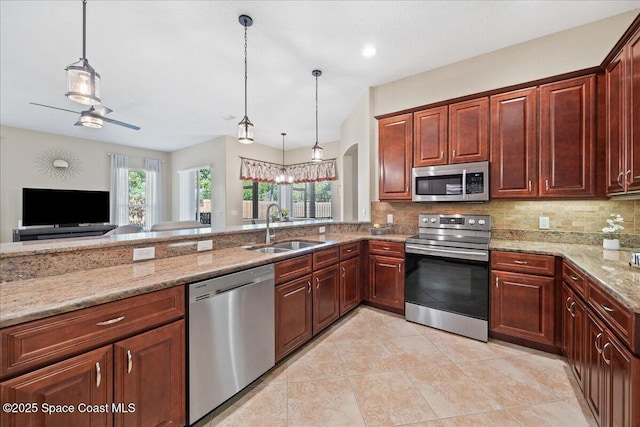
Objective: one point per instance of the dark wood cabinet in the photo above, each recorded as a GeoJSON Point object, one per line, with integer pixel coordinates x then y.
{"type": "Point", "coordinates": [573, 333]}
{"type": "Point", "coordinates": [622, 117]}
{"type": "Point", "coordinates": [350, 278]}
{"type": "Point", "coordinates": [430, 140]}
{"type": "Point", "coordinates": [386, 282]}
{"type": "Point", "coordinates": [86, 379]}
{"type": "Point", "coordinates": [514, 144]}
{"type": "Point", "coordinates": [395, 152]}
{"type": "Point", "coordinates": [567, 138]}
{"type": "Point", "coordinates": [293, 307]}
{"type": "Point", "coordinates": [150, 374]}
{"type": "Point", "coordinates": [326, 297]}
{"type": "Point", "coordinates": [469, 131]}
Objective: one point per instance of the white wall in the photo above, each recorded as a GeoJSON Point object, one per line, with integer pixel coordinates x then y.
{"type": "Point", "coordinates": [21, 152]}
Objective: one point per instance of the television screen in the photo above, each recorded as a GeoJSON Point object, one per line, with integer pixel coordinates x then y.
{"type": "Point", "coordinates": [41, 206]}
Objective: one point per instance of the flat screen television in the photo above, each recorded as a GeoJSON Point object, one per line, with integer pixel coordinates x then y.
{"type": "Point", "coordinates": [42, 206]}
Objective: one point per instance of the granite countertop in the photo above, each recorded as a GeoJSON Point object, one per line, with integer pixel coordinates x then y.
{"type": "Point", "coordinates": [609, 269]}
{"type": "Point", "coordinates": [25, 300]}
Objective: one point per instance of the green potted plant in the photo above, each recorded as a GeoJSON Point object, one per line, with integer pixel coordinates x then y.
{"type": "Point", "coordinates": [611, 232]}
{"type": "Point", "coordinates": [285, 214]}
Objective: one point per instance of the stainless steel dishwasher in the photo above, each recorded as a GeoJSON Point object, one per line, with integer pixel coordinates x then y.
{"type": "Point", "coordinates": [231, 336]}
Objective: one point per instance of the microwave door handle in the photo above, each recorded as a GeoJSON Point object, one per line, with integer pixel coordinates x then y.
{"type": "Point", "coordinates": [464, 184]}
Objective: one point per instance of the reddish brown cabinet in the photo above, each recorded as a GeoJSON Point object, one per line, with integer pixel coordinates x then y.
{"type": "Point", "coordinates": [430, 141]}
{"type": "Point", "coordinates": [573, 332]}
{"type": "Point", "coordinates": [567, 138]}
{"type": "Point", "coordinates": [395, 152]}
{"type": "Point", "coordinates": [293, 308]}
{"type": "Point", "coordinates": [514, 144]}
{"type": "Point", "coordinates": [622, 118]}
{"type": "Point", "coordinates": [386, 275]}
{"type": "Point", "coordinates": [326, 297]}
{"type": "Point", "coordinates": [350, 277]}
{"type": "Point", "coordinates": [469, 131]}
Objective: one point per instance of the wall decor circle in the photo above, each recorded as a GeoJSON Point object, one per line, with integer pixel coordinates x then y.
{"type": "Point", "coordinates": [58, 163]}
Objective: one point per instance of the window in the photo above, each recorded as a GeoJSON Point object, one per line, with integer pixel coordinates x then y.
{"type": "Point", "coordinates": [311, 200]}
{"type": "Point", "coordinates": [256, 197]}
{"type": "Point", "coordinates": [195, 194]}
{"type": "Point", "coordinates": [137, 196]}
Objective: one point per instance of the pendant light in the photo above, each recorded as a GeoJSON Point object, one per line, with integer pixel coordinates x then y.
{"type": "Point", "coordinates": [316, 150]}
{"type": "Point", "coordinates": [283, 177]}
{"type": "Point", "coordinates": [245, 127]}
{"type": "Point", "coordinates": [83, 83]}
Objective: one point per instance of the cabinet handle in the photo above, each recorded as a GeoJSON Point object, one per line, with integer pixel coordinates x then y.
{"type": "Point", "coordinates": [386, 248]}
{"type": "Point", "coordinates": [595, 342]}
{"type": "Point", "coordinates": [546, 185]}
{"type": "Point", "coordinates": [454, 153]}
{"type": "Point", "coordinates": [574, 278]}
{"type": "Point", "coordinates": [442, 154]}
{"type": "Point", "coordinates": [607, 309]}
{"type": "Point", "coordinates": [572, 310]}
{"type": "Point", "coordinates": [517, 261]}
{"type": "Point", "coordinates": [317, 282]}
{"type": "Point", "coordinates": [497, 281]}
{"type": "Point", "coordinates": [308, 286]}
{"type": "Point", "coordinates": [98, 374]}
{"type": "Point", "coordinates": [343, 271]}
{"type": "Point", "coordinates": [625, 176]}
{"type": "Point", "coordinates": [110, 322]}
{"type": "Point", "coordinates": [399, 268]}
{"type": "Point", "coordinates": [567, 305]}
{"type": "Point", "coordinates": [129, 361]}
{"type": "Point", "coordinates": [349, 251]}
{"type": "Point", "coordinates": [530, 186]}
{"type": "Point", "coordinates": [620, 179]}
{"type": "Point", "coordinates": [607, 361]}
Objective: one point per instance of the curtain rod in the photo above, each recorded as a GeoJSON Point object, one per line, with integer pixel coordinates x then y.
{"type": "Point", "coordinates": [137, 157]}
{"type": "Point", "coordinates": [292, 164]}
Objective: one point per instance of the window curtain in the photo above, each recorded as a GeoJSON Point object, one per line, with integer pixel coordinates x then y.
{"type": "Point", "coordinates": [188, 194]}
{"type": "Point", "coordinates": [256, 170]}
{"type": "Point", "coordinates": [153, 193]}
{"type": "Point", "coordinates": [119, 194]}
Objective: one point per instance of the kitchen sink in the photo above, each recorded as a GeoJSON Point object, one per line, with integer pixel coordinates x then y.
{"type": "Point", "coordinates": [296, 245]}
{"type": "Point", "coordinates": [271, 250]}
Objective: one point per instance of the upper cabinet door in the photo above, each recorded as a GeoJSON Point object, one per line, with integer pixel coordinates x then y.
{"type": "Point", "coordinates": [430, 137]}
{"type": "Point", "coordinates": [395, 146]}
{"type": "Point", "coordinates": [615, 124]}
{"type": "Point", "coordinates": [514, 144]}
{"type": "Point", "coordinates": [567, 143]}
{"type": "Point", "coordinates": [468, 131]}
{"type": "Point", "coordinates": [632, 172]}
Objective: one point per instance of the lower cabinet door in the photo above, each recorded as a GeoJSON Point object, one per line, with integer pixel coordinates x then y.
{"type": "Point", "coordinates": [386, 281]}
{"type": "Point", "coordinates": [149, 371]}
{"type": "Point", "coordinates": [573, 333]}
{"type": "Point", "coordinates": [326, 297]}
{"type": "Point", "coordinates": [618, 363]}
{"type": "Point", "coordinates": [293, 315]}
{"type": "Point", "coordinates": [73, 393]}
{"type": "Point", "coordinates": [349, 284]}
{"type": "Point", "coordinates": [522, 305]}
{"type": "Point", "coordinates": [594, 375]}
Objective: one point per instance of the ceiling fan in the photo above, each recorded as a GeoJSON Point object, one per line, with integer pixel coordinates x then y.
{"type": "Point", "coordinates": [93, 117]}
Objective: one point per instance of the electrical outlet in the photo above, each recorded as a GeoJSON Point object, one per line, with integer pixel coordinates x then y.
{"type": "Point", "coordinates": [389, 218]}
{"type": "Point", "coordinates": [205, 245]}
{"type": "Point", "coordinates": [321, 229]}
{"type": "Point", "coordinates": [543, 222]}
{"type": "Point", "coordinates": [140, 254]}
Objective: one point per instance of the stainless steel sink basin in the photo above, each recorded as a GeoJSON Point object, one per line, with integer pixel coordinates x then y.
{"type": "Point", "coordinates": [271, 250]}
{"type": "Point", "coordinates": [296, 245]}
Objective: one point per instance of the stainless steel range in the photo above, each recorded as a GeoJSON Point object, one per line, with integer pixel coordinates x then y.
{"type": "Point", "coordinates": [447, 274]}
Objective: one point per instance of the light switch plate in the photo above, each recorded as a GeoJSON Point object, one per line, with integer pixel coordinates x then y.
{"type": "Point", "coordinates": [140, 254]}
{"type": "Point", "coordinates": [321, 229]}
{"type": "Point", "coordinates": [543, 222]}
{"type": "Point", "coordinates": [389, 218]}
{"type": "Point", "coordinates": [205, 245]}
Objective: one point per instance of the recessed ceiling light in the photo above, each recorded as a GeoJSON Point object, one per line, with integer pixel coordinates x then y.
{"type": "Point", "coordinates": [369, 50]}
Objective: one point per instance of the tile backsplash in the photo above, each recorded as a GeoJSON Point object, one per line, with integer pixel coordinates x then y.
{"type": "Point", "coordinates": [582, 219]}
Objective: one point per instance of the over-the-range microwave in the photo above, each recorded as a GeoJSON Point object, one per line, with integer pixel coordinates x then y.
{"type": "Point", "coordinates": [463, 182]}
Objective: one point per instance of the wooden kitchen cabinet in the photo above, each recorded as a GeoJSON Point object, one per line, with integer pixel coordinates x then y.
{"type": "Point", "coordinates": [574, 319]}
{"type": "Point", "coordinates": [430, 140]}
{"type": "Point", "coordinates": [386, 275]}
{"type": "Point", "coordinates": [293, 315]}
{"type": "Point", "coordinates": [326, 297]}
{"type": "Point", "coordinates": [469, 131]}
{"type": "Point", "coordinates": [622, 118]}
{"type": "Point", "coordinates": [523, 297]}
{"type": "Point", "coordinates": [395, 151]}
{"type": "Point", "coordinates": [350, 295]}
{"type": "Point", "coordinates": [567, 138]}
{"type": "Point", "coordinates": [514, 144]}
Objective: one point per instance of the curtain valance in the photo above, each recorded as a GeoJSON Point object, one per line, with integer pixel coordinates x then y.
{"type": "Point", "coordinates": [261, 171]}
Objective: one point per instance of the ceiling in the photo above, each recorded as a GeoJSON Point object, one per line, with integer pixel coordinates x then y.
{"type": "Point", "coordinates": [175, 68]}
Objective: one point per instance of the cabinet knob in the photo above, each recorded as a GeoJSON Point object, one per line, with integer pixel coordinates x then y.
{"type": "Point", "coordinates": [625, 177]}
{"type": "Point", "coordinates": [111, 321]}
{"type": "Point", "coordinates": [343, 271]}
{"type": "Point", "coordinates": [317, 282]}
{"type": "Point", "coordinates": [607, 309]}
{"type": "Point", "coordinates": [574, 278]}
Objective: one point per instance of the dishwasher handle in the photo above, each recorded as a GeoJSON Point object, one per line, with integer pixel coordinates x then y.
{"type": "Point", "coordinates": [242, 285]}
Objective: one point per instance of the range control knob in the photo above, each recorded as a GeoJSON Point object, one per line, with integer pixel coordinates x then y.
{"type": "Point", "coordinates": [482, 222]}
{"type": "Point", "coordinates": [472, 221]}
{"type": "Point", "coordinates": [433, 220]}
{"type": "Point", "coordinates": [425, 219]}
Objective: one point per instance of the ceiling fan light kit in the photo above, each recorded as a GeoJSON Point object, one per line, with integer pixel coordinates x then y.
{"type": "Point", "coordinates": [316, 150]}
{"type": "Point", "coordinates": [83, 82]}
{"type": "Point", "coordinates": [245, 127]}
{"type": "Point", "coordinates": [90, 121]}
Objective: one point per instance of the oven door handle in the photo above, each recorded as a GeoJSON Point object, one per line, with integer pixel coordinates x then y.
{"type": "Point", "coordinates": [422, 250]}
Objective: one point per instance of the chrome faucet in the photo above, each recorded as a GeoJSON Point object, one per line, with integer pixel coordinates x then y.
{"type": "Point", "coordinates": [269, 235]}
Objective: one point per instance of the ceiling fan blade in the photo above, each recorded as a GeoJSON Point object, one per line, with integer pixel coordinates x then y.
{"type": "Point", "coordinates": [102, 111]}
{"type": "Point", "coordinates": [77, 123]}
{"type": "Point", "coordinates": [55, 108]}
{"type": "Point", "coordinates": [116, 122]}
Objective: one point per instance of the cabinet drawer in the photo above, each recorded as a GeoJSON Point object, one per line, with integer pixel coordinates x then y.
{"type": "Point", "coordinates": [617, 317]}
{"type": "Point", "coordinates": [576, 280]}
{"type": "Point", "coordinates": [292, 268]}
{"type": "Point", "coordinates": [44, 341]}
{"type": "Point", "coordinates": [542, 265]}
{"type": "Point", "coordinates": [380, 247]}
{"type": "Point", "coordinates": [349, 250]}
{"type": "Point", "coordinates": [325, 258]}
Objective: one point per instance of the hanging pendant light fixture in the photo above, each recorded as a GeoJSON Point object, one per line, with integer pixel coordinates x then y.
{"type": "Point", "coordinates": [245, 127]}
{"type": "Point", "coordinates": [283, 177]}
{"type": "Point", "coordinates": [83, 83]}
{"type": "Point", "coordinates": [316, 150]}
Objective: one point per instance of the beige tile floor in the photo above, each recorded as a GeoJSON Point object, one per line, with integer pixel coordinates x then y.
{"type": "Point", "coordinates": [373, 368]}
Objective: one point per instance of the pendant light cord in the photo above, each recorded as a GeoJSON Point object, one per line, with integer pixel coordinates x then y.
{"type": "Point", "coordinates": [316, 110]}
{"type": "Point", "coordinates": [84, 30]}
{"type": "Point", "coordinates": [245, 72]}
